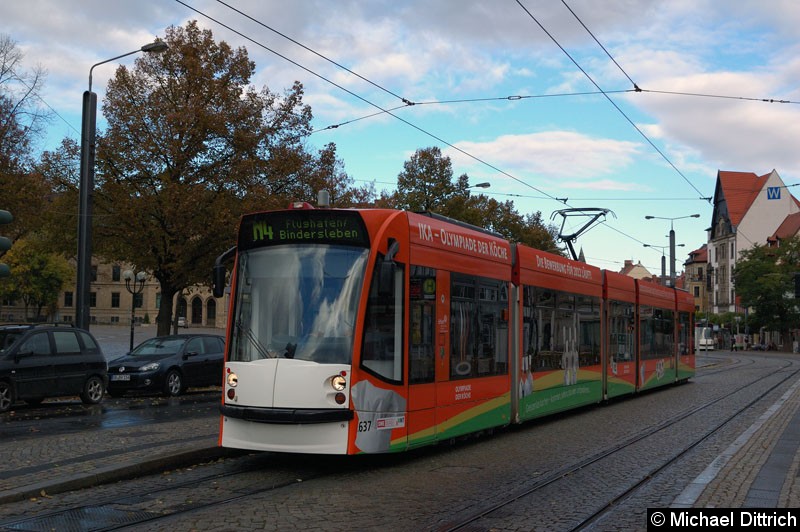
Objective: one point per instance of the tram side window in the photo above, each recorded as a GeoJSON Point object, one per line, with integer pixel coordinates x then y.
{"type": "Point", "coordinates": [657, 329]}
{"type": "Point", "coordinates": [478, 327]}
{"type": "Point", "coordinates": [588, 330]}
{"type": "Point", "coordinates": [382, 345]}
{"type": "Point", "coordinates": [620, 331]}
{"type": "Point", "coordinates": [553, 313]}
{"type": "Point", "coordinates": [566, 329]}
{"type": "Point", "coordinates": [422, 315]}
{"type": "Point", "coordinates": [685, 344]}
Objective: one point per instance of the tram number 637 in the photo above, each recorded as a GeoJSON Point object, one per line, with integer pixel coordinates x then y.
{"type": "Point", "coordinates": [364, 426]}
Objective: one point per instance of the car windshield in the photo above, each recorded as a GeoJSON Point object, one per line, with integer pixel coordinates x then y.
{"type": "Point", "coordinates": [297, 301]}
{"type": "Point", "coordinates": [159, 346]}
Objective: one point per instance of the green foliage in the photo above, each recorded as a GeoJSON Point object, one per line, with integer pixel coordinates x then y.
{"type": "Point", "coordinates": [37, 276]}
{"type": "Point", "coordinates": [426, 184]}
{"type": "Point", "coordinates": [764, 279]}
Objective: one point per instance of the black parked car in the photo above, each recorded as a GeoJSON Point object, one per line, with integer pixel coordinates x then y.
{"type": "Point", "coordinates": [48, 360]}
{"type": "Point", "coordinates": [169, 364]}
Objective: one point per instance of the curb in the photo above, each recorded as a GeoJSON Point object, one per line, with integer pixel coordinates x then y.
{"type": "Point", "coordinates": [115, 473]}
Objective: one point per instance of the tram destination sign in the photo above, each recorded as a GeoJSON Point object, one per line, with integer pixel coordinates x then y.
{"type": "Point", "coordinates": [302, 227]}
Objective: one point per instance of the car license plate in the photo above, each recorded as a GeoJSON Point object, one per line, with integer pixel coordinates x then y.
{"type": "Point", "coordinates": [120, 377]}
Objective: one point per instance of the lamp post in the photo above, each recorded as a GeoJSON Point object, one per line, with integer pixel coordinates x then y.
{"type": "Point", "coordinates": [663, 261]}
{"type": "Point", "coordinates": [134, 285]}
{"type": "Point", "coordinates": [671, 240]}
{"type": "Point", "coordinates": [86, 189]}
{"type": "Point", "coordinates": [480, 185]}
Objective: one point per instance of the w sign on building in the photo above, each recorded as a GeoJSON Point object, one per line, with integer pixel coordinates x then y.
{"type": "Point", "coordinates": [773, 193]}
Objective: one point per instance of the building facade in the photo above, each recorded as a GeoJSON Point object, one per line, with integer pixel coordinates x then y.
{"type": "Point", "coordinates": [748, 209]}
{"type": "Point", "coordinates": [111, 303]}
{"type": "Point", "coordinates": [697, 278]}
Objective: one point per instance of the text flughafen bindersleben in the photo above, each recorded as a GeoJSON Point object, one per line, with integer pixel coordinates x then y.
{"type": "Point", "coordinates": [667, 518]}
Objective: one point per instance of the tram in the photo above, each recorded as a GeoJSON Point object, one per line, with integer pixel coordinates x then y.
{"type": "Point", "coordinates": [373, 330]}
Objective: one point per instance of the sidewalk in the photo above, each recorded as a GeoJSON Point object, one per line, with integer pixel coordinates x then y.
{"type": "Point", "coordinates": [759, 469]}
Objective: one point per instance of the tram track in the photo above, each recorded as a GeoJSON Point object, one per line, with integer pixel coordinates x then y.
{"type": "Point", "coordinates": [261, 474]}
{"type": "Point", "coordinates": [481, 518]}
{"type": "Point", "coordinates": [198, 491]}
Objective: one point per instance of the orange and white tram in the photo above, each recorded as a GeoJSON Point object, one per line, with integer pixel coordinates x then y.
{"type": "Point", "coordinates": [373, 330]}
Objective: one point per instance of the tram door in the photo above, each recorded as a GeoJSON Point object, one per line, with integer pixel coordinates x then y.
{"type": "Point", "coordinates": [423, 353]}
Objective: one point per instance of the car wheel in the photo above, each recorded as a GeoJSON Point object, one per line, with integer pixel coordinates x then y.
{"type": "Point", "coordinates": [92, 390]}
{"type": "Point", "coordinates": [173, 384]}
{"type": "Point", "coordinates": [6, 396]}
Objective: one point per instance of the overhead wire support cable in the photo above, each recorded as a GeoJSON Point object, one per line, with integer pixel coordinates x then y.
{"type": "Point", "coordinates": [356, 74]}
{"type": "Point", "coordinates": [473, 157]}
{"type": "Point", "coordinates": [612, 102]}
{"type": "Point", "coordinates": [635, 86]}
{"type": "Point", "coordinates": [700, 95]}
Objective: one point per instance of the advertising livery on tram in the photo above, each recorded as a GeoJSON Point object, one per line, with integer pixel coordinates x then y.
{"type": "Point", "coordinates": [373, 330]}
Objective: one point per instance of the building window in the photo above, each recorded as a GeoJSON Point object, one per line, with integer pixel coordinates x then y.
{"type": "Point", "coordinates": [138, 300]}
{"type": "Point", "coordinates": [93, 300]}
{"type": "Point", "coordinates": [696, 291]}
{"type": "Point", "coordinates": [114, 319]}
{"type": "Point", "coordinates": [115, 273]}
{"type": "Point", "coordinates": [94, 274]}
{"type": "Point", "coordinates": [114, 299]}
{"type": "Point", "coordinates": [68, 299]}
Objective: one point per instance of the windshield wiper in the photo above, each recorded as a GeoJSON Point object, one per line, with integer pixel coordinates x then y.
{"type": "Point", "coordinates": [263, 351]}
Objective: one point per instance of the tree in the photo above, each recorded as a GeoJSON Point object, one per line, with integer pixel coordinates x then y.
{"type": "Point", "coordinates": [37, 276]}
{"type": "Point", "coordinates": [21, 119]}
{"type": "Point", "coordinates": [21, 122]}
{"type": "Point", "coordinates": [426, 183]}
{"type": "Point", "coordinates": [764, 280]}
{"type": "Point", "coordinates": [190, 145]}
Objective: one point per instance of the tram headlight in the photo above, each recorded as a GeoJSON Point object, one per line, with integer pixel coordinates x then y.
{"type": "Point", "coordinates": [232, 380]}
{"type": "Point", "coordinates": [339, 382]}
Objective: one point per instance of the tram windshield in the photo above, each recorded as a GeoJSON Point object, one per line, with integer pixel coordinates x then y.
{"type": "Point", "coordinates": [297, 301]}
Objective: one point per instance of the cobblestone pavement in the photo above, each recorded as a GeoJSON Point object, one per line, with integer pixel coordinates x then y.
{"type": "Point", "coordinates": [760, 468]}
{"type": "Point", "coordinates": [752, 463]}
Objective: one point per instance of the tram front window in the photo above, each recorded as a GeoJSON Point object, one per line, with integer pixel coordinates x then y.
{"type": "Point", "coordinates": [297, 302]}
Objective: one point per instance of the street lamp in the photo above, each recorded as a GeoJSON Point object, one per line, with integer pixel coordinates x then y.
{"type": "Point", "coordinates": [663, 261]}
{"type": "Point", "coordinates": [86, 189]}
{"type": "Point", "coordinates": [671, 240]}
{"type": "Point", "coordinates": [134, 285]}
{"type": "Point", "coordinates": [480, 185]}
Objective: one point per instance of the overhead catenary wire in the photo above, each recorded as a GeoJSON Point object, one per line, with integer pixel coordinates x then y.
{"type": "Point", "coordinates": [408, 102]}
{"type": "Point", "coordinates": [636, 87]}
{"type": "Point", "coordinates": [356, 74]}
{"type": "Point", "coordinates": [610, 100]}
{"type": "Point", "coordinates": [387, 111]}
{"type": "Point", "coordinates": [562, 200]}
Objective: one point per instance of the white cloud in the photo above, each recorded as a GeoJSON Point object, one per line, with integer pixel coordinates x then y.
{"type": "Point", "coordinates": [551, 155]}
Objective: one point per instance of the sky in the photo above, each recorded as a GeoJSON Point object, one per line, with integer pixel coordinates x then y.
{"type": "Point", "coordinates": [535, 97]}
